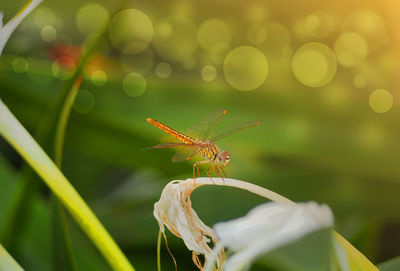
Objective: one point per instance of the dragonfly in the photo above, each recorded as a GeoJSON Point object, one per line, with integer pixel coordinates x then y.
{"type": "Point", "coordinates": [199, 139]}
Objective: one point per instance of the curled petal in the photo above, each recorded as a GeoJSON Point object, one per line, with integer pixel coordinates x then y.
{"type": "Point", "coordinates": [269, 226]}
{"type": "Point", "coordinates": [174, 210]}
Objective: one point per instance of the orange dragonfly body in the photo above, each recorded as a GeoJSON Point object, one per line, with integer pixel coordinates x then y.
{"type": "Point", "coordinates": [199, 140]}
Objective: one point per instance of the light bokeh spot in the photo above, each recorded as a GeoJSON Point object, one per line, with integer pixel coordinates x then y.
{"type": "Point", "coordinates": [175, 38]}
{"type": "Point", "coordinates": [130, 31]}
{"type": "Point", "coordinates": [256, 34]}
{"type": "Point", "coordinates": [48, 33]}
{"type": "Point", "coordinates": [43, 16]}
{"type": "Point", "coordinates": [20, 65]}
{"type": "Point", "coordinates": [91, 17]}
{"type": "Point", "coordinates": [351, 49]}
{"type": "Point", "coordinates": [98, 78]}
{"type": "Point", "coordinates": [208, 73]}
{"type": "Point", "coordinates": [245, 68]}
{"type": "Point", "coordinates": [213, 32]}
{"type": "Point", "coordinates": [314, 64]}
{"type": "Point", "coordinates": [164, 29]}
{"type": "Point", "coordinates": [381, 100]}
{"type": "Point", "coordinates": [84, 101]}
{"type": "Point", "coordinates": [370, 25]}
{"type": "Point", "coordinates": [163, 70]}
{"type": "Point", "coordinates": [319, 24]}
{"type": "Point", "coordinates": [134, 84]}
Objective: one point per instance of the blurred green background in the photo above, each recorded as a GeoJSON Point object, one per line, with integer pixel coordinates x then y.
{"type": "Point", "coordinates": [322, 75]}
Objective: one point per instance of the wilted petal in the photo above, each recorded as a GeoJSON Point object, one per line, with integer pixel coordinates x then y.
{"type": "Point", "coordinates": [174, 210]}
{"type": "Point", "coordinates": [269, 226]}
{"type": "Point", "coordinates": [8, 28]}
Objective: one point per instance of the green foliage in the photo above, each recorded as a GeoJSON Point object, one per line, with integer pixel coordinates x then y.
{"type": "Point", "coordinates": [390, 265]}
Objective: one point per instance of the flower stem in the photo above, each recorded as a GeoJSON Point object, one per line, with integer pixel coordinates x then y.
{"type": "Point", "coordinates": [159, 250]}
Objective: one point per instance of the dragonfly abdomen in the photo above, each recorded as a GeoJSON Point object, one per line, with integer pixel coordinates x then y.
{"type": "Point", "coordinates": [181, 137]}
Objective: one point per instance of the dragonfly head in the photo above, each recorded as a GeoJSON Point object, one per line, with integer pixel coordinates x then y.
{"type": "Point", "coordinates": [223, 158]}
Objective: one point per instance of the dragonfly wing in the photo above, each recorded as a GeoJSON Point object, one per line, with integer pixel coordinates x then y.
{"type": "Point", "coordinates": [202, 129]}
{"type": "Point", "coordinates": [184, 154]}
{"type": "Point", "coordinates": [233, 130]}
{"type": "Point", "coordinates": [167, 145]}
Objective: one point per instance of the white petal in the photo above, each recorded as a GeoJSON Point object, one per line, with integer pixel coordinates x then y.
{"type": "Point", "coordinates": [9, 27]}
{"type": "Point", "coordinates": [269, 226]}
{"type": "Point", "coordinates": [174, 210]}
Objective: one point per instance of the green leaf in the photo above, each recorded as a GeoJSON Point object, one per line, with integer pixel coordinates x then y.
{"type": "Point", "coordinates": [312, 252]}
{"type": "Point", "coordinates": [22, 141]}
{"type": "Point", "coordinates": [390, 265]}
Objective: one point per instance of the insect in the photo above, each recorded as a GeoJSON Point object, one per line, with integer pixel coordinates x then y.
{"type": "Point", "coordinates": [198, 139]}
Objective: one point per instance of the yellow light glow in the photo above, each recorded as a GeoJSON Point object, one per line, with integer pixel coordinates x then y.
{"type": "Point", "coordinates": [351, 49]}
{"type": "Point", "coordinates": [180, 44]}
{"type": "Point", "coordinates": [208, 73]}
{"type": "Point", "coordinates": [245, 68]}
{"type": "Point", "coordinates": [213, 32]}
{"type": "Point", "coordinates": [381, 100]}
{"type": "Point", "coordinates": [83, 102]}
{"type": "Point", "coordinates": [90, 17]}
{"type": "Point", "coordinates": [48, 33]}
{"type": "Point", "coordinates": [130, 31]}
{"type": "Point", "coordinates": [98, 78]}
{"type": "Point", "coordinates": [163, 70]}
{"type": "Point", "coordinates": [314, 64]}
{"type": "Point", "coordinates": [134, 84]}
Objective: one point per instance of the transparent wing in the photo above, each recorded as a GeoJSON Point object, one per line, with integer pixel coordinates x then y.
{"type": "Point", "coordinates": [202, 129]}
{"type": "Point", "coordinates": [185, 152]}
{"type": "Point", "coordinates": [167, 145]}
{"type": "Point", "coordinates": [233, 130]}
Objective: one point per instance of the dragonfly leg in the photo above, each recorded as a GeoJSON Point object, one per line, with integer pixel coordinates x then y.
{"type": "Point", "coordinates": [208, 173]}
{"type": "Point", "coordinates": [196, 165]}
{"type": "Point", "coordinates": [216, 170]}
{"type": "Point", "coordinates": [223, 171]}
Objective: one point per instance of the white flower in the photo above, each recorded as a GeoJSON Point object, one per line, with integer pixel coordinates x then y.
{"type": "Point", "coordinates": [9, 27]}
{"type": "Point", "coordinates": [266, 227]}
{"type": "Point", "coordinates": [174, 210]}
{"type": "Point", "coordinates": [269, 226]}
